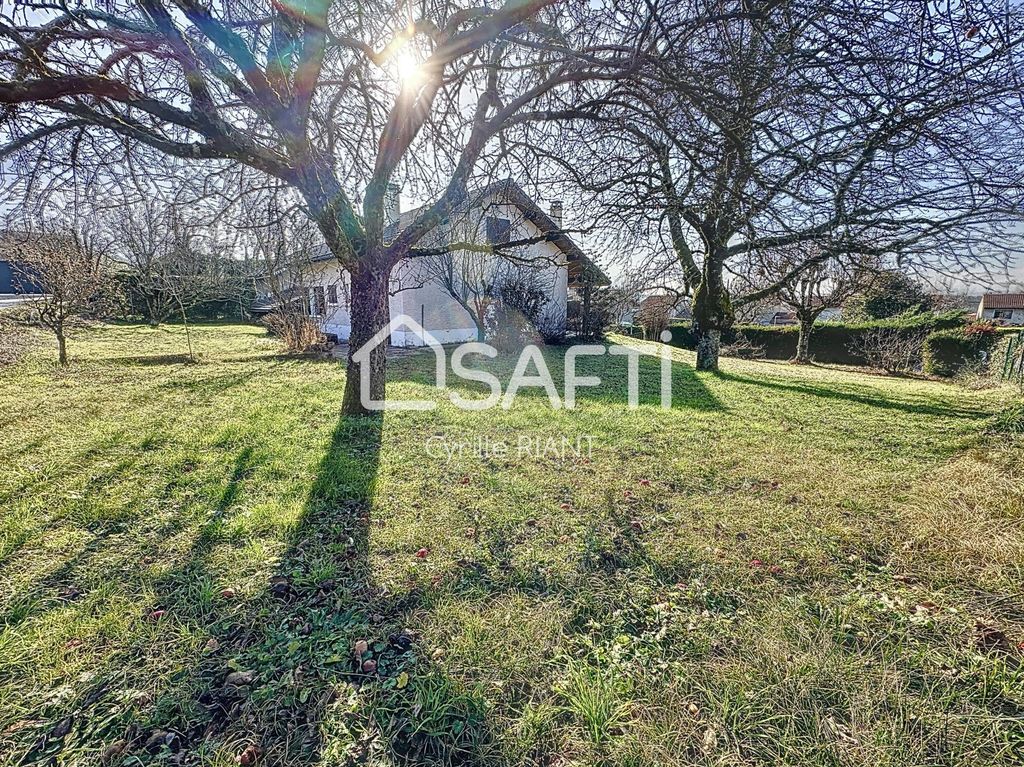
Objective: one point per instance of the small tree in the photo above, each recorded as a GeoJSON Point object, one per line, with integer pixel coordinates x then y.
{"type": "Point", "coordinates": [66, 267]}
{"type": "Point", "coordinates": [280, 246]}
{"type": "Point", "coordinates": [827, 282]}
{"type": "Point", "coordinates": [894, 350]}
{"type": "Point", "coordinates": [468, 277]}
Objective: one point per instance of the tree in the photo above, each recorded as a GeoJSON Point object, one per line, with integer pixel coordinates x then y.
{"type": "Point", "coordinates": [815, 288]}
{"type": "Point", "coordinates": [332, 99]}
{"type": "Point", "coordinates": [66, 268]}
{"type": "Point", "coordinates": [772, 125]}
{"type": "Point", "coordinates": [468, 277]}
{"type": "Point", "coordinates": [889, 293]}
{"type": "Point", "coordinates": [280, 245]}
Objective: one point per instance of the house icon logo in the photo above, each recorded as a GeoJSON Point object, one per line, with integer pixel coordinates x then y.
{"type": "Point", "coordinates": [362, 357]}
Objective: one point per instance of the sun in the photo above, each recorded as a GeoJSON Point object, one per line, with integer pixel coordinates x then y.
{"type": "Point", "coordinates": [409, 70]}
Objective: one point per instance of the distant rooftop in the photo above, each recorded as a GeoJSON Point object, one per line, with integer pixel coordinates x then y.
{"type": "Point", "coordinates": [1002, 301]}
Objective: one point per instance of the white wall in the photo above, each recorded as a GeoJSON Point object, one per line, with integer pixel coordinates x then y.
{"type": "Point", "coordinates": [1017, 319]}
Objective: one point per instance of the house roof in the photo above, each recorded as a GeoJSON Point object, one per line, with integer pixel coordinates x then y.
{"type": "Point", "coordinates": [1002, 301]}
{"type": "Point", "coordinates": [582, 268]}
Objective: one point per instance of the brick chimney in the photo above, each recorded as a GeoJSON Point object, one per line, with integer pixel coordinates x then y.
{"type": "Point", "coordinates": [392, 204]}
{"type": "Point", "coordinates": [556, 212]}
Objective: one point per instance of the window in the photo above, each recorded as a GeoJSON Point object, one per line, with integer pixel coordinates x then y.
{"type": "Point", "coordinates": [319, 303]}
{"type": "Point", "coordinates": [332, 295]}
{"type": "Point", "coordinates": [1003, 314]}
{"type": "Point", "coordinates": [499, 230]}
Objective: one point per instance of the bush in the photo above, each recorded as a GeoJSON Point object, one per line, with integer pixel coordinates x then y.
{"type": "Point", "coordinates": [947, 352]}
{"type": "Point", "coordinates": [299, 332]}
{"type": "Point", "coordinates": [894, 350]}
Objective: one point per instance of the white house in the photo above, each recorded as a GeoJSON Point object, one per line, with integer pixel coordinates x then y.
{"type": "Point", "coordinates": [499, 213]}
{"type": "Point", "coordinates": [1002, 308]}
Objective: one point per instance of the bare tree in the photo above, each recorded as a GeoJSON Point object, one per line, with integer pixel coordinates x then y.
{"type": "Point", "coordinates": [280, 246]}
{"type": "Point", "coordinates": [65, 266]}
{"type": "Point", "coordinates": [868, 124]}
{"type": "Point", "coordinates": [332, 99]}
{"type": "Point", "coordinates": [822, 285]}
{"type": "Point", "coordinates": [468, 277]}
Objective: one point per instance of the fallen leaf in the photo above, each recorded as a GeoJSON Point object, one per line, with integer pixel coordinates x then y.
{"type": "Point", "coordinates": [361, 647]}
{"type": "Point", "coordinates": [228, 593]}
{"type": "Point", "coordinates": [249, 756]}
{"type": "Point", "coordinates": [112, 752]}
{"type": "Point", "coordinates": [991, 639]}
{"type": "Point", "coordinates": [212, 645]}
{"type": "Point", "coordinates": [402, 680]}
{"type": "Point", "coordinates": [369, 666]}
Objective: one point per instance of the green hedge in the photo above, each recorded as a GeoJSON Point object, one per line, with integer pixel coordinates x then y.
{"type": "Point", "coordinates": [947, 352]}
{"type": "Point", "coordinates": [830, 342]}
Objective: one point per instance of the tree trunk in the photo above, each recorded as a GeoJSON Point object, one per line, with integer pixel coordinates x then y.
{"type": "Point", "coordinates": [62, 348]}
{"type": "Point", "coordinates": [370, 313]}
{"type": "Point", "coordinates": [712, 313]}
{"type": "Point", "coordinates": [803, 340]}
{"type": "Point", "coordinates": [709, 344]}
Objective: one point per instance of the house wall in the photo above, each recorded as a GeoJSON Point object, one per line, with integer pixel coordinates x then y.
{"type": "Point", "coordinates": [1017, 319]}
{"type": "Point", "coordinates": [426, 302]}
{"type": "Point", "coordinates": [336, 319]}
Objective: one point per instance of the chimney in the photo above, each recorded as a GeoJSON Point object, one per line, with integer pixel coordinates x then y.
{"type": "Point", "coordinates": [392, 204]}
{"type": "Point", "coordinates": [556, 212]}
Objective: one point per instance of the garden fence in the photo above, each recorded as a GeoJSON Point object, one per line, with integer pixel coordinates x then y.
{"type": "Point", "coordinates": [1013, 363]}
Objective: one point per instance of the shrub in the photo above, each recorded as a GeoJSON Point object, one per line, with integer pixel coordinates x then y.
{"type": "Point", "coordinates": [298, 332]}
{"type": "Point", "coordinates": [893, 350]}
{"type": "Point", "coordinates": [947, 352]}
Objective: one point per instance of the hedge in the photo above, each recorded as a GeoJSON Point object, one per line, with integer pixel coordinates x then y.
{"type": "Point", "coordinates": [830, 342]}
{"type": "Point", "coordinates": [947, 352]}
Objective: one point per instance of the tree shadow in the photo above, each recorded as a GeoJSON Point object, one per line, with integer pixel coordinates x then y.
{"type": "Point", "coordinates": [872, 400]}
{"type": "Point", "coordinates": [320, 657]}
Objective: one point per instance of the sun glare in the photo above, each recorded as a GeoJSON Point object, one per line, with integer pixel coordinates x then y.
{"type": "Point", "coordinates": [408, 69]}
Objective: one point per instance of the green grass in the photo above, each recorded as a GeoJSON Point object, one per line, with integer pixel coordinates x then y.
{"type": "Point", "coordinates": [794, 565]}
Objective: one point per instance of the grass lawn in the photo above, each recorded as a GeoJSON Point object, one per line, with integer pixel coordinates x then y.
{"type": "Point", "coordinates": [792, 566]}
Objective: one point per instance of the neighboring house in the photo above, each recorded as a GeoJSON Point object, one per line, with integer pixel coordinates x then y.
{"type": "Point", "coordinates": [782, 315]}
{"type": "Point", "coordinates": [657, 307]}
{"type": "Point", "coordinates": [500, 212]}
{"type": "Point", "coordinates": [1002, 308]}
{"type": "Point", "coordinates": [14, 277]}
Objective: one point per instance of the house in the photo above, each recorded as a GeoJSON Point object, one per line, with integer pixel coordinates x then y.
{"type": "Point", "coordinates": [1002, 308]}
{"type": "Point", "coordinates": [15, 277]}
{"type": "Point", "coordinates": [441, 298]}
{"type": "Point", "coordinates": [783, 315]}
{"type": "Point", "coordinates": [657, 307]}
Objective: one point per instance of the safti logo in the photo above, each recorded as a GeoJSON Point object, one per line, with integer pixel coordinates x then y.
{"type": "Point", "coordinates": [531, 372]}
